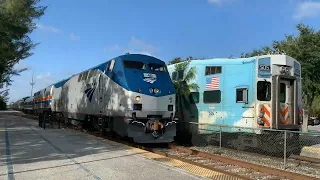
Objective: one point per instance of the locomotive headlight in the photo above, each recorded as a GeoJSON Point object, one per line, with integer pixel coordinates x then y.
{"type": "Point", "coordinates": [156, 90]}
{"type": "Point", "coordinates": [137, 98]}
{"type": "Point", "coordinates": [283, 69]}
{"type": "Point", "coordinates": [150, 90]}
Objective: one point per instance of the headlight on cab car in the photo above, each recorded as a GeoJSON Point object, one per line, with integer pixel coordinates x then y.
{"type": "Point", "coordinates": [137, 98]}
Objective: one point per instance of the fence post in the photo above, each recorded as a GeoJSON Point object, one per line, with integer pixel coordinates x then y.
{"type": "Point", "coordinates": [220, 137]}
{"type": "Point", "coordinates": [285, 150]}
{"type": "Point", "coordinates": [305, 120]}
{"type": "Point", "coordinates": [59, 122]}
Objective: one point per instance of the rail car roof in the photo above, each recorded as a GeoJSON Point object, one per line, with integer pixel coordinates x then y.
{"type": "Point", "coordinates": [221, 61]}
{"type": "Point", "coordinates": [29, 99]}
{"type": "Point", "coordinates": [230, 61]}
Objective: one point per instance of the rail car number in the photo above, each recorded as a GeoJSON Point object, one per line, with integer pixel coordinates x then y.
{"type": "Point", "coordinates": [264, 67]}
{"type": "Point", "coordinates": [211, 113]}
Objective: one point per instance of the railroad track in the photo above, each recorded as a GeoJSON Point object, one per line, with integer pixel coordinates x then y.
{"type": "Point", "coordinates": [235, 168]}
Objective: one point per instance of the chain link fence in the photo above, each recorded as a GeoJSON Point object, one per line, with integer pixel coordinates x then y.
{"type": "Point", "coordinates": [261, 142]}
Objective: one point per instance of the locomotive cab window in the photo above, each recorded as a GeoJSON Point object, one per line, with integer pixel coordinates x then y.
{"type": "Point", "coordinates": [134, 65]}
{"type": "Point", "coordinates": [194, 97]}
{"type": "Point", "coordinates": [242, 95]}
{"type": "Point", "coordinates": [210, 97]}
{"type": "Point", "coordinates": [264, 91]}
{"type": "Point", "coordinates": [283, 90]}
{"type": "Point", "coordinates": [213, 70]}
{"type": "Point", "coordinates": [111, 65]}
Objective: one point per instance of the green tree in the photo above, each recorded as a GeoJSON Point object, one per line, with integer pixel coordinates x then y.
{"type": "Point", "coordinates": [16, 23]}
{"type": "Point", "coordinates": [305, 47]}
{"type": "Point", "coordinates": [4, 97]}
{"type": "Point", "coordinates": [183, 87]}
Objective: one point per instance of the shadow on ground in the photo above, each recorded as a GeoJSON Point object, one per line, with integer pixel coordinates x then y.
{"type": "Point", "coordinates": [30, 144]}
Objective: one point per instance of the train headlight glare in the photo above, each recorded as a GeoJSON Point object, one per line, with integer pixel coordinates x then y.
{"type": "Point", "coordinates": [138, 98]}
{"type": "Point", "coordinates": [156, 90]}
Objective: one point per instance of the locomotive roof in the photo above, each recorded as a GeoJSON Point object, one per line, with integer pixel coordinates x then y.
{"type": "Point", "coordinates": [102, 66]}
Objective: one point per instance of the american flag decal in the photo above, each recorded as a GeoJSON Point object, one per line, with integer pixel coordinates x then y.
{"type": "Point", "coordinates": [212, 83]}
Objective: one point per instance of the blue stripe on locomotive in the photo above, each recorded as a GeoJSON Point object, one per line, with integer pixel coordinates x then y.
{"type": "Point", "coordinates": [236, 73]}
{"type": "Point", "coordinates": [132, 79]}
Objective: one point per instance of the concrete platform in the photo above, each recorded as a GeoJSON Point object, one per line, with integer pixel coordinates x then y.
{"type": "Point", "coordinates": [29, 152]}
{"type": "Point", "coordinates": [310, 142]}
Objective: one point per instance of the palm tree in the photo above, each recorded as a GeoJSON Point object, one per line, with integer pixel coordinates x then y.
{"type": "Point", "coordinates": [183, 87]}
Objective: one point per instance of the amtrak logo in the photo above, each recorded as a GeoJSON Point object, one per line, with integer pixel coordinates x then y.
{"type": "Point", "coordinates": [150, 78]}
{"type": "Point", "coordinates": [89, 92]}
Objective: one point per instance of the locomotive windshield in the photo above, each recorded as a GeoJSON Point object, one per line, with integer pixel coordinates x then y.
{"type": "Point", "coordinates": [264, 91]}
{"type": "Point", "coordinates": [142, 66]}
{"type": "Point", "coordinates": [157, 67]}
{"type": "Point", "coordinates": [134, 65]}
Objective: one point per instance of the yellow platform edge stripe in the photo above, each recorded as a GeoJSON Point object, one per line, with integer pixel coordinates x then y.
{"type": "Point", "coordinates": [310, 148]}
{"type": "Point", "coordinates": [193, 169]}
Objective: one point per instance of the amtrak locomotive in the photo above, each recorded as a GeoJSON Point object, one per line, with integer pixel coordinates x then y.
{"type": "Point", "coordinates": [131, 95]}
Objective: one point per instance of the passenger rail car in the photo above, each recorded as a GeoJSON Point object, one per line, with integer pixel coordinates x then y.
{"type": "Point", "coordinates": [28, 105]}
{"type": "Point", "coordinates": [131, 95]}
{"type": "Point", "coordinates": [262, 92]}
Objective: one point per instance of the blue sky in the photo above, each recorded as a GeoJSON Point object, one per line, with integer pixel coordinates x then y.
{"type": "Point", "coordinates": [75, 35]}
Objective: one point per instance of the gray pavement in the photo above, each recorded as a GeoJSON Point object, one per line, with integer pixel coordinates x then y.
{"type": "Point", "coordinates": [314, 128]}
{"type": "Point", "coordinates": [29, 152]}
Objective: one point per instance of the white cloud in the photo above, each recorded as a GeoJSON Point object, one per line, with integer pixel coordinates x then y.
{"type": "Point", "coordinates": [74, 37]}
{"type": "Point", "coordinates": [135, 46]}
{"type": "Point", "coordinates": [307, 9]}
{"type": "Point", "coordinates": [43, 76]}
{"type": "Point", "coordinates": [21, 65]}
{"type": "Point", "coordinates": [52, 29]}
{"type": "Point", "coordinates": [48, 28]}
{"type": "Point", "coordinates": [141, 46]}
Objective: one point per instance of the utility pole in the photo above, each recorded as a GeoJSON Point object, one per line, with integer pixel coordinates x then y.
{"type": "Point", "coordinates": [32, 84]}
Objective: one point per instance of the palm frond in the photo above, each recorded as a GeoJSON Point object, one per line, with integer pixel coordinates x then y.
{"type": "Point", "coordinates": [190, 75]}
{"type": "Point", "coordinates": [193, 87]}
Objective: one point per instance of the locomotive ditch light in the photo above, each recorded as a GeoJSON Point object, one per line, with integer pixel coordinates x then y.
{"type": "Point", "coordinates": [137, 98]}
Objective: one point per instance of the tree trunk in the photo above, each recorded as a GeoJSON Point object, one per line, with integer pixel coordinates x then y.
{"type": "Point", "coordinates": [310, 99]}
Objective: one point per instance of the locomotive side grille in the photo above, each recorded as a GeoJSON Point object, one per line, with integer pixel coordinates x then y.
{"type": "Point", "coordinates": [137, 107]}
